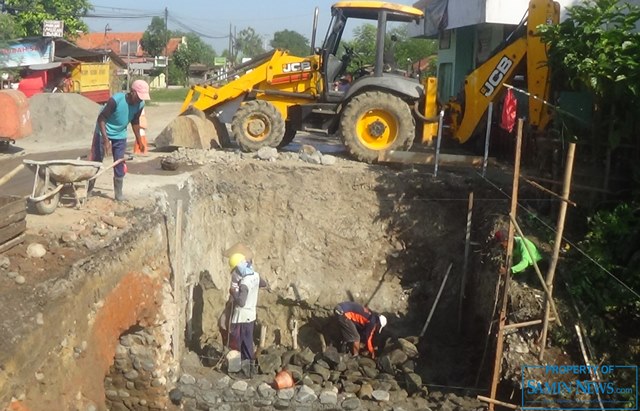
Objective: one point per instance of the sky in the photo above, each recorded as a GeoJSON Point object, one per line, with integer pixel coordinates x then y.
{"type": "Point", "coordinates": [212, 18]}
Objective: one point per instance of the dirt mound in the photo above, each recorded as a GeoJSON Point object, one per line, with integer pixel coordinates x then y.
{"type": "Point", "coordinates": [62, 118]}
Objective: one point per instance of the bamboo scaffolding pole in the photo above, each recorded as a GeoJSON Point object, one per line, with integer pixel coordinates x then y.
{"type": "Point", "coordinates": [566, 189]}
{"type": "Point", "coordinates": [525, 324]}
{"type": "Point", "coordinates": [505, 293]}
{"type": "Point", "coordinates": [435, 303]}
{"type": "Point", "coordinates": [587, 362]}
{"type": "Point", "coordinates": [491, 402]}
{"type": "Point", "coordinates": [546, 288]}
{"type": "Point", "coordinates": [465, 266]}
{"type": "Point", "coordinates": [546, 190]}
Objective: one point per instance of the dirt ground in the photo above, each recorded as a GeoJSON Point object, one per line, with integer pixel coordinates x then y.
{"type": "Point", "coordinates": [28, 284]}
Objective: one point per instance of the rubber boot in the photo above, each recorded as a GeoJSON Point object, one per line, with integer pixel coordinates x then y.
{"type": "Point", "coordinates": [117, 188]}
{"type": "Point", "coordinates": [90, 186]}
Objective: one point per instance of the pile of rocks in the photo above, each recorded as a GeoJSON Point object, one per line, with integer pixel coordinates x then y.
{"type": "Point", "coordinates": [327, 380]}
{"type": "Point", "coordinates": [197, 157]}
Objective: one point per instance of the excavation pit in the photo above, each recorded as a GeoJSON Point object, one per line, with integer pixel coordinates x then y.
{"type": "Point", "coordinates": [320, 235]}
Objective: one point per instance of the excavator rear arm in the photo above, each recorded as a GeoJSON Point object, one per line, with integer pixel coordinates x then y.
{"type": "Point", "coordinates": [485, 83]}
{"type": "Point", "coordinates": [481, 88]}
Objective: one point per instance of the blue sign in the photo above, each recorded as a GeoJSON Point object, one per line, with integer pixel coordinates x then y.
{"type": "Point", "coordinates": [571, 387]}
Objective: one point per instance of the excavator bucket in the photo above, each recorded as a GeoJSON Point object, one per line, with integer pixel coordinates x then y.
{"type": "Point", "coordinates": [193, 129]}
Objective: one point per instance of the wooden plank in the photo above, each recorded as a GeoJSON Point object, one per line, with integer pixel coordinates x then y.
{"type": "Point", "coordinates": [11, 243]}
{"type": "Point", "coordinates": [21, 215]}
{"type": "Point", "coordinates": [11, 205]}
{"type": "Point", "coordinates": [410, 157]}
{"type": "Point", "coordinates": [13, 230]}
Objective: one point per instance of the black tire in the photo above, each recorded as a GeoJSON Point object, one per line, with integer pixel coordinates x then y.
{"type": "Point", "coordinates": [289, 135]}
{"type": "Point", "coordinates": [375, 121]}
{"type": "Point", "coordinates": [49, 205]}
{"type": "Point", "coordinates": [257, 124]}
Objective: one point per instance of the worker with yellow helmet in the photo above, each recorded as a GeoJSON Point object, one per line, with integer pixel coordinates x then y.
{"type": "Point", "coordinates": [245, 283]}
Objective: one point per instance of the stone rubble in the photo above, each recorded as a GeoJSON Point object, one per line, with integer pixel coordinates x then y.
{"type": "Point", "coordinates": [197, 157]}
{"type": "Point", "coordinates": [323, 381]}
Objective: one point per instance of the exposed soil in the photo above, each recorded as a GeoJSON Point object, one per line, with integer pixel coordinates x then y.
{"type": "Point", "coordinates": [382, 235]}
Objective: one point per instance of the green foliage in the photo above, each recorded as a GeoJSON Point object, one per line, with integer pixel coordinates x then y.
{"type": "Point", "coordinates": [181, 61]}
{"type": "Point", "coordinates": [597, 49]}
{"type": "Point", "coordinates": [155, 37]}
{"type": "Point", "coordinates": [296, 43]}
{"type": "Point", "coordinates": [403, 51]}
{"type": "Point", "coordinates": [168, 95]}
{"type": "Point", "coordinates": [193, 51]}
{"type": "Point", "coordinates": [176, 74]}
{"type": "Point", "coordinates": [249, 43]}
{"type": "Point", "coordinates": [29, 15]}
{"type": "Point", "coordinates": [614, 242]}
{"type": "Point", "coordinates": [610, 311]}
{"type": "Point", "coordinates": [364, 43]}
{"type": "Point", "coordinates": [8, 27]}
{"type": "Point", "coordinates": [410, 50]}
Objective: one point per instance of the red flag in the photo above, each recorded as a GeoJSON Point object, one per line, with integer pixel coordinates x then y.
{"type": "Point", "coordinates": [509, 109]}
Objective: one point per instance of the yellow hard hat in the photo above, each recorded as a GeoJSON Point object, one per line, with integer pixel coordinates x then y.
{"type": "Point", "coordinates": [236, 259]}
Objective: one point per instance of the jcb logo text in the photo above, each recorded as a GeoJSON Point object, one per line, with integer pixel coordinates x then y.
{"type": "Point", "coordinates": [495, 79]}
{"type": "Point", "coordinates": [294, 67]}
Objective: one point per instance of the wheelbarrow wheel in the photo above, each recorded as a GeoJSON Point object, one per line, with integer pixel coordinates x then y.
{"type": "Point", "coordinates": [49, 205]}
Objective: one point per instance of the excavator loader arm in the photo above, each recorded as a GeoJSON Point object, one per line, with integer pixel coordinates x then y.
{"type": "Point", "coordinates": [198, 125]}
{"type": "Point", "coordinates": [484, 85]}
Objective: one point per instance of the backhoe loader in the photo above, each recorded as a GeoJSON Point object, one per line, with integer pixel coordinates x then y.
{"type": "Point", "coordinates": [273, 96]}
{"type": "Point", "coordinates": [521, 54]}
{"type": "Point", "coordinates": [268, 99]}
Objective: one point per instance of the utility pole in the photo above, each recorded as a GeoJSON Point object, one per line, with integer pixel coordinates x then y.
{"type": "Point", "coordinates": [166, 47]}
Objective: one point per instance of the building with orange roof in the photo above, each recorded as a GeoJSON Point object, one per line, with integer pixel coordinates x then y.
{"type": "Point", "coordinates": [127, 45]}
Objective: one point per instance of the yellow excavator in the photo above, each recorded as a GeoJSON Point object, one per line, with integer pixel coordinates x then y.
{"type": "Point", "coordinates": [270, 98]}
{"type": "Point", "coordinates": [522, 54]}
{"type": "Point", "coordinates": [273, 96]}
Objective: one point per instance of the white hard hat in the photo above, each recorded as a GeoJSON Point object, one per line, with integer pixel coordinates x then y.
{"type": "Point", "coordinates": [383, 321]}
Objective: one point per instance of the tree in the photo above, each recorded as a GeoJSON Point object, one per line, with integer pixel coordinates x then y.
{"type": "Point", "coordinates": [194, 50]}
{"type": "Point", "coordinates": [8, 27]}
{"type": "Point", "coordinates": [399, 52]}
{"type": "Point", "coordinates": [411, 50]}
{"type": "Point", "coordinates": [249, 43]}
{"type": "Point", "coordinates": [597, 50]}
{"type": "Point", "coordinates": [155, 37]}
{"type": "Point", "coordinates": [291, 40]}
{"type": "Point", "coordinates": [29, 15]}
{"type": "Point", "coordinates": [364, 43]}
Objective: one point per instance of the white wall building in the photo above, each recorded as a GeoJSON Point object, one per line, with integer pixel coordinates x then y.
{"type": "Point", "coordinates": [468, 32]}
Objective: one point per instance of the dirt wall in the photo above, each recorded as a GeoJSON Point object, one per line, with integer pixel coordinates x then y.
{"type": "Point", "coordinates": [61, 363]}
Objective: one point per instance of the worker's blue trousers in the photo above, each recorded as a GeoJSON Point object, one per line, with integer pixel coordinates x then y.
{"type": "Point", "coordinates": [118, 148]}
{"type": "Point", "coordinates": [242, 339]}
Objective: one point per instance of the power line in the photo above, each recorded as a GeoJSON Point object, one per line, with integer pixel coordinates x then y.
{"type": "Point", "coordinates": [192, 30]}
{"type": "Point", "coordinates": [631, 290]}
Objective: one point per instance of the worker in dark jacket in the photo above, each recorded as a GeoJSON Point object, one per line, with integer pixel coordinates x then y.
{"type": "Point", "coordinates": [358, 325]}
{"type": "Point", "coordinates": [244, 294]}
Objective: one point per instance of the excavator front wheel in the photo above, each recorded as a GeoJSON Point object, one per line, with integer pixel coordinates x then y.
{"type": "Point", "coordinates": [257, 124]}
{"type": "Point", "coordinates": [375, 121]}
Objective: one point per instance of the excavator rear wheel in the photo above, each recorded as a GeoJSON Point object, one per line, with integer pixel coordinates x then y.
{"type": "Point", "coordinates": [257, 124]}
{"type": "Point", "coordinates": [375, 121]}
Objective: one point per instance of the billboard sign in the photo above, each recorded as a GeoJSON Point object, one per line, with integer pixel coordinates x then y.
{"type": "Point", "coordinates": [22, 53]}
{"type": "Point", "coordinates": [52, 28]}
